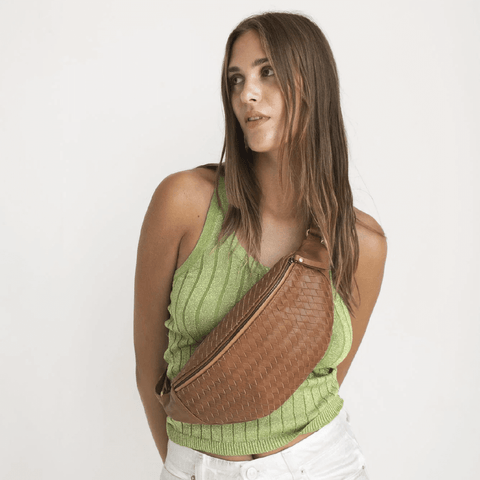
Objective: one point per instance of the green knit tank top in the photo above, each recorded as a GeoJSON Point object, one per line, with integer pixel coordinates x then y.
{"type": "Point", "coordinates": [205, 287]}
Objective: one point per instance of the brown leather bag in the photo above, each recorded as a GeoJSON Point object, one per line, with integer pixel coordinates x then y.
{"type": "Point", "coordinates": [263, 349]}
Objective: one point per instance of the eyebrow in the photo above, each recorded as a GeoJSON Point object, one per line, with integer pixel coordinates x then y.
{"type": "Point", "coordinates": [256, 63]}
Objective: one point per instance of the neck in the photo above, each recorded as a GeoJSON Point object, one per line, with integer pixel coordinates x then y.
{"type": "Point", "coordinates": [276, 199]}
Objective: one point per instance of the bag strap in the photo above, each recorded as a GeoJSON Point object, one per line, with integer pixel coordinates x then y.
{"type": "Point", "coordinates": [312, 251]}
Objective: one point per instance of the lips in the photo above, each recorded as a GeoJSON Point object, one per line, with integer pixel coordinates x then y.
{"type": "Point", "coordinates": [254, 119]}
{"type": "Point", "coordinates": [254, 116]}
{"type": "Point", "coordinates": [257, 123]}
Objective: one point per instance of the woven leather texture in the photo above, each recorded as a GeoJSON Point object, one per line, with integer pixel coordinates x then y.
{"type": "Point", "coordinates": [245, 306]}
{"type": "Point", "coordinates": [259, 369]}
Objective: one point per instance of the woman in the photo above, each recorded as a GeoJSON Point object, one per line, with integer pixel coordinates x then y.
{"type": "Point", "coordinates": [286, 165]}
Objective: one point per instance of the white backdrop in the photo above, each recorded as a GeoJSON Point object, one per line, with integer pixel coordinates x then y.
{"type": "Point", "coordinates": [101, 99]}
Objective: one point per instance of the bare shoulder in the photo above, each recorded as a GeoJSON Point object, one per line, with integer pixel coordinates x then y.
{"type": "Point", "coordinates": [369, 273]}
{"type": "Point", "coordinates": [187, 185]}
{"type": "Point", "coordinates": [184, 195]}
{"type": "Point", "coordinates": [372, 240]}
{"type": "Point", "coordinates": [178, 210]}
{"type": "Point", "coordinates": [371, 262]}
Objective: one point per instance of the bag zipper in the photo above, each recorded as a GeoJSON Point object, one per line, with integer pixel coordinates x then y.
{"type": "Point", "coordinates": [290, 261]}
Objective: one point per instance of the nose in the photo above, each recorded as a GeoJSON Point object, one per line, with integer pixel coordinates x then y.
{"type": "Point", "coordinates": [251, 92]}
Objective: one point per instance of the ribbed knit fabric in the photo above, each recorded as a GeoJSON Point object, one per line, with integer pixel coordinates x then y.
{"type": "Point", "coordinates": [205, 287]}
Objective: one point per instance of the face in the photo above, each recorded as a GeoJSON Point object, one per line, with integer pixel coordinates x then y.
{"type": "Point", "coordinates": [256, 97]}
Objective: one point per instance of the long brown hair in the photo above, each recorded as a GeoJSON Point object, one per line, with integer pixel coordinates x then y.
{"type": "Point", "coordinates": [314, 149]}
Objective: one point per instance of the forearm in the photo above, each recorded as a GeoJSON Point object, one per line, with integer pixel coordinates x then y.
{"type": "Point", "coordinates": [156, 417]}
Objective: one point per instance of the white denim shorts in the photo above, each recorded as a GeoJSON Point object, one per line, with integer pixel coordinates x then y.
{"type": "Point", "coordinates": [331, 453]}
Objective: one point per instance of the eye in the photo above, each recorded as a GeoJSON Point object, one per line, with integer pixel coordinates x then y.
{"type": "Point", "coordinates": [268, 71]}
{"type": "Point", "coordinates": [235, 80]}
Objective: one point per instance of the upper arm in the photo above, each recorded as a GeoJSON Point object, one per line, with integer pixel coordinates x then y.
{"type": "Point", "coordinates": [170, 215]}
{"type": "Point", "coordinates": [369, 276]}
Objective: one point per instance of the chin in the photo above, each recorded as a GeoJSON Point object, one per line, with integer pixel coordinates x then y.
{"type": "Point", "coordinates": [262, 148]}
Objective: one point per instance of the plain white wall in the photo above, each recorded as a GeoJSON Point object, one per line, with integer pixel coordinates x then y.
{"type": "Point", "coordinates": [100, 100]}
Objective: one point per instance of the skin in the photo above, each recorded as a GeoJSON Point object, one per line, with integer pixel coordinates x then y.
{"type": "Point", "coordinates": [255, 88]}
{"type": "Point", "coordinates": [174, 222]}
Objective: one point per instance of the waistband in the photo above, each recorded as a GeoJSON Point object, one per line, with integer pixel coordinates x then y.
{"type": "Point", "coordinates": [182, 459]}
